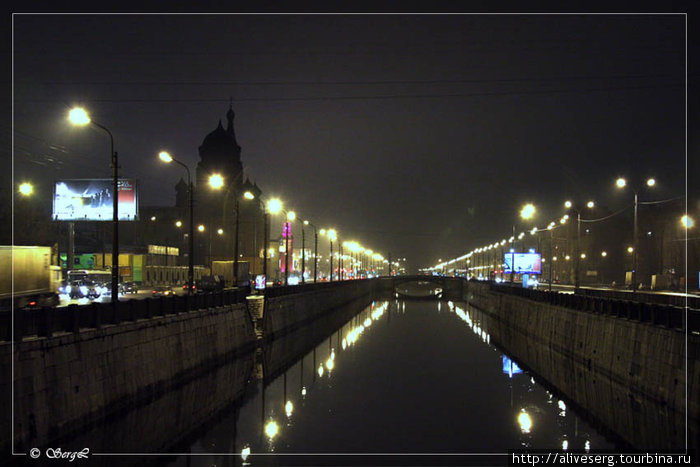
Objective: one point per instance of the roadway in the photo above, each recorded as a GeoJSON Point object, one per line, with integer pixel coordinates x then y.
{"type": "Point", "coordinates": [65, 300]}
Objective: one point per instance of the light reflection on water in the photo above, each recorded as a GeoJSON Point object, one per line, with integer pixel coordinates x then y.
{"type": "Point", "coordinates": [399, 377]}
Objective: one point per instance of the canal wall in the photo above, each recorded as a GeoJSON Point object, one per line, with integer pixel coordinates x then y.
{"type": "Point", "coordinates": [69, 380]}
{"type": "Point", "coordinates": [289, 308]}
{"type": "Point", "coordinates": [621, 370]}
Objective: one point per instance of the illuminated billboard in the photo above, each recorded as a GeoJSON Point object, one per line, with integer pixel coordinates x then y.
{"type": "Point", "coordinates": [91, 200]}
{"type": "Point", "coordinates": [525, 263]}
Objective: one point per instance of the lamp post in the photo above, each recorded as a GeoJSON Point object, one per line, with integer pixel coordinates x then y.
{"type": "Point", "coordinates": [315, 248]}
{"type": "Point", "coordinates": [165, 157]}
{"type": "Point", "coordinates": [271, 207]}
{"type": "Point", "coordinates": [290, 216]}
{"type": "Point", "coordinates": [303, 254]}
{"type": "Point", "coordinates": [79, 116]}
{"type": "Point", "coordinates": [332, 235]}
{"type": "Point", "coordinates": [622, 183]}
{"type": "Point", "coordinates": [527, 212]}
{"type": "Point", "coordinates": [577, 253]}
{"type": "Point", "coordinates": [216, 181]}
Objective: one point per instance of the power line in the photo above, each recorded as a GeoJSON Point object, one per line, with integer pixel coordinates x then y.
{"type": "Point", "coordinates": [345, 83]}
{"type": "Point", "coordinates": [369, 97]}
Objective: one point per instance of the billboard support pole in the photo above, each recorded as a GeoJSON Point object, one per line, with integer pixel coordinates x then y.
{"type": "Point", "coordinates": [115, 215]}
{"type": "Point", "coordinates": [70, 261]}
{"type": "Point", "coordinates": [190, 256]}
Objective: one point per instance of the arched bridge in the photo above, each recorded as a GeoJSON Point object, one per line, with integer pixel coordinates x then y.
{"type": "Point", "coordinates": [451, 288]}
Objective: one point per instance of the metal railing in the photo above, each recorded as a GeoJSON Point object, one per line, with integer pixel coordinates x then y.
{"type": "Point", "coordinates": [669, 316]}
{"type": "Point", "coordinates": [47, 321]}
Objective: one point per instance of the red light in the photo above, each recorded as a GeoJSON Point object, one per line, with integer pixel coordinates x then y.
{"type": "Point", "coordinates": [32, 303]}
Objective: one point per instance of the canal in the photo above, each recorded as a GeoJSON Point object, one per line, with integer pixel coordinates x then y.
{"type": "Point", "coordinates": [398, 379]}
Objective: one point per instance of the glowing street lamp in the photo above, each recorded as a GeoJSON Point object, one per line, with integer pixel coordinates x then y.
{"type": "Point", "coordinates": [621, 183]}
{"type": "Point", "coordinates": [167, 158]}
{"type": "Point", "coordinates": [78, 116]}
{"type": "Point", "coordinates": [26, 189]}
{"type": "Point", "coordinates": [526, 213]}
{"type": "Point", "coordinates": [216, 181]}
{"type": "Point", "coordinates": [687, 221]}
{"type": "Point", "coordinates": [291, 216]}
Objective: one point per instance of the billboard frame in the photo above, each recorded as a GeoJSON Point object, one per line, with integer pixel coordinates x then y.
{"type": "Point", "coordinates": [105, 184]}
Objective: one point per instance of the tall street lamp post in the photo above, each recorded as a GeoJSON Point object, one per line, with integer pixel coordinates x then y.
{"type": "Point", "coordinates": [165, 157]}
{"type": "Point", "coordinates": [577, 253]}
{"type": "Point", "coordinates": [527, 212]}
{"type": "Point", "coordinates": [271, 207]}
{"type": "Point", "coordinates": [247, 195]}
{"type": "Point", "coordinates": [290, 216]}
{"type": "Point", "coordinates": [79, 116]}
{"type": "Point", "coordinates": [332, 235]}
{"type": "Point", "coordinates": [216, 181]}
{"type": "Point", "coordinates": [315, 248]}
{"type": "Point", "coordinates": [622, 183]}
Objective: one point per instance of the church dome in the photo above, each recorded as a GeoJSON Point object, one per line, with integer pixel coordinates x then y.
{"type": "Point", "coordinates": [219, 140]}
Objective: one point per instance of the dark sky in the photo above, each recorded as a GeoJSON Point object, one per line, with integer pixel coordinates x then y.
{"type": "Point", "coordinates": [419, 135]}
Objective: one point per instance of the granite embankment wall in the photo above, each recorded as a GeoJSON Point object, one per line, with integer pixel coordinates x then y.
{"type": "Point", "coordinates": [68, 380]}
{"type": "Point", "coordinates": [575, 350]}
{"type": "Point", "coordinates": [291, 307]}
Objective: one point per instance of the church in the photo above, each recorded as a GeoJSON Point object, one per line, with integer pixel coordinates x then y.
{"type": "Point", "coordinates": [217, 207]}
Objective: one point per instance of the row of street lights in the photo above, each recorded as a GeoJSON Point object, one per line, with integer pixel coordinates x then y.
{"type": "Point", "coordinates": [528, 211]}
{"type": "Point", "coordinates": [80, 117]}
{"type": "Point", "coordinates": [273, 206]}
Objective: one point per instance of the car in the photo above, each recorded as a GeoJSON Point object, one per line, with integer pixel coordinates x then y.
{"type": "Point", "coordinates": [130, 287]}
{"type": "Point", "coordinates": [194, 287]}
{"type": "Point", "coordinates": [76, 289]}
{"type": "Point", "coordinates": [93, 290]}
{"type": "Point", "coordinates": [162, 291]}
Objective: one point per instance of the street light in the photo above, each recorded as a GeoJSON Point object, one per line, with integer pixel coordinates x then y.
{"type": "Point", "coordinates": [167, 158]}
{"type": "Point", "coordinates": [578, 255]}
{"type": "Point", "coordinates": [78, 116]}
{"type": "Point", "coordinates": [216, 181]}
{"type": "Point", "coordinates": [306, 222]}
{"type": "Point", "coordinates": [622, 183]}
{"type": "Point", "coordinates": [527, 212]}
{"type": "Point", "coordinates": [332, 236]}
{"type": "Point", "coordinates": [291, 216]}
{"type": "Point", "coordinates": [687, 221]}
{"type": "Point", "coordinates": [26, 189]}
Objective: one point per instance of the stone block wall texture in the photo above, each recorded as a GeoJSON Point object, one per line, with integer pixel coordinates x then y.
{"type": "Point", "coordinates": [640, 368]}
{"type": "Point", "coordinates": [68, 381]}
{"type": "Point", "coordinates": [287, 312]}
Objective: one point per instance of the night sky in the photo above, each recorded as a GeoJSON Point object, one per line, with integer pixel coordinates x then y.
{"type": "Point", "coordinates": [419, 135]}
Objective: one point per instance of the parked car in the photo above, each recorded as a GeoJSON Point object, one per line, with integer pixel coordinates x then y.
{"type": "Point", "coordinates": [162, 291]}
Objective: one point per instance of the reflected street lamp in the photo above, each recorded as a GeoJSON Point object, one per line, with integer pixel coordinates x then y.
{"type": "Point", "coordinates": [167, 158]}
{"type": "Point", "coordinates": [80, 117]}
